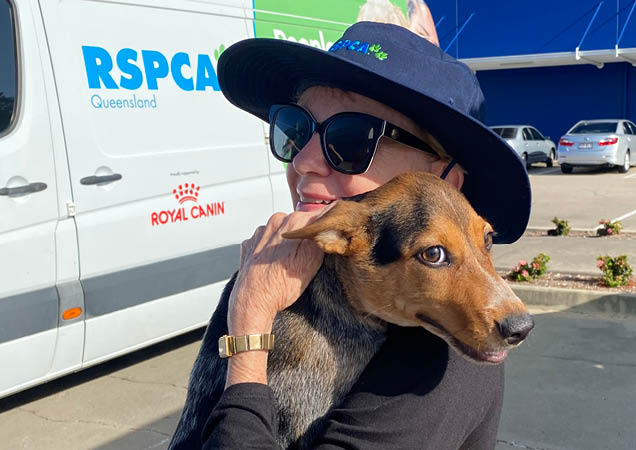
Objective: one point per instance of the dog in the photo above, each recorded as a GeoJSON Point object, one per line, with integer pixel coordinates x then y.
{"type": "Point", "coordinates": [413, 253]}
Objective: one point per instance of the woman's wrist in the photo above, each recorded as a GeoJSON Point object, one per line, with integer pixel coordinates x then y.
{"type": "Point", "coordinates": [250, 366]}
{"type": "Point", "coordinates": [247, 367]}
{"type": "Point", "coordinates": [244, 322]}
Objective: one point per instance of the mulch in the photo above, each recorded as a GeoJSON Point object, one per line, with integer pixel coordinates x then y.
{"type": "Point", "coordinates": [573, 281]}
{"type": "Point", "coordinates": [582, 234]}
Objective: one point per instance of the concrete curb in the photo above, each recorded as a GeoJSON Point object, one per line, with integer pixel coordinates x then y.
{"type": "Point", "coordinates": [578, 300]}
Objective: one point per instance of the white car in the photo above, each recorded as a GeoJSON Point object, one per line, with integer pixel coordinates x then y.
{"type": "Point", "coordinates": [528, 142]}
{"type": "Point", "coordinates": [598, 143]}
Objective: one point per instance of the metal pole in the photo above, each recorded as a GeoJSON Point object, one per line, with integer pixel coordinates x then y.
{"type": "Point", "coordinates": [618, 41]}
{"type": "Point", "coordinates": [618, 17]}
{"type": "Point", "coordinates": [459, 32]}
{"type": "Point", "coordinates": [590, 24]}
{"type": "Point", "coordinates": [456, 27]}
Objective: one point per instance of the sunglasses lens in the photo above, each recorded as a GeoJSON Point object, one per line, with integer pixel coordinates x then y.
{"type": "Point", "coordinates": [289, 133]}
{"type": "Point", "coordinates": [351, 142]}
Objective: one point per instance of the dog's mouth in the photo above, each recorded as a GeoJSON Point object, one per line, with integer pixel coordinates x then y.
{"type": "Point", "coordinates": [482, 356]}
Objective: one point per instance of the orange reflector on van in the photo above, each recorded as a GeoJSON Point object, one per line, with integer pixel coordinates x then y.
{"type": "Point", "coordinates": [72, 313]}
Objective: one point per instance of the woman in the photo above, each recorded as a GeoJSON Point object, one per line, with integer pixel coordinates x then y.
{"type": "Point", "coordinates": [385, 71]}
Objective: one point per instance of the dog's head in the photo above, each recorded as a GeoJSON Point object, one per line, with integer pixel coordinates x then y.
{"type": "Point", "coordinates": [415, 253]}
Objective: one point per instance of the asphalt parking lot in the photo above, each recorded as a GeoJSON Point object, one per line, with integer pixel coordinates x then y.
{"type": "Point", "coordinates": [582, 197]}
{"type": "Point", "coordinates": [567, 388]}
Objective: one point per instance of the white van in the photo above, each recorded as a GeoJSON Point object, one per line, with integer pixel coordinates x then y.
{"type": "Point", "coordinates": [127, 181]}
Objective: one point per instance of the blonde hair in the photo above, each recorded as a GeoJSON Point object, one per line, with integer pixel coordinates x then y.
{"type": "Point", "coordinates": [382, 11]}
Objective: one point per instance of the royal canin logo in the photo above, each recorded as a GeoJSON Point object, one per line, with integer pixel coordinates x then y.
{"type": "Point", "coordinates": [188, 192]}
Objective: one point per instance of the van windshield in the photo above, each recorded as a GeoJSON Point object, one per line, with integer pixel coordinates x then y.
{"type": "Point", "coordinates": [506, 133]}
{"type": "Point", "coordinates": [595, 128]}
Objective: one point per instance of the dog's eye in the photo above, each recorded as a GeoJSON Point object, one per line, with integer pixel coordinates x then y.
{"type": "Point", "coordinates": [488, 240]}
{"type": "Point", "coordinates": [434, 255]}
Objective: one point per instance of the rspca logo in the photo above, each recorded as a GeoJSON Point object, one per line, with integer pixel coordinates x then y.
{"type": "Point", "coordinates": [144, 69]}
{"type": "Point", "coordinates": [361, 47]}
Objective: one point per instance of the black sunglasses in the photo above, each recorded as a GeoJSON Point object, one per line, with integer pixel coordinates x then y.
{"type": "Point", "coordinates": [349, 140]}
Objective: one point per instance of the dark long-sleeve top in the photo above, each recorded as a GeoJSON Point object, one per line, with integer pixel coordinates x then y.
{"type": "Point", "coordinates": [416, 393]}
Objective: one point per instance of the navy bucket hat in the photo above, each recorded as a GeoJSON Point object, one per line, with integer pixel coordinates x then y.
{"type": "Point", "coordinates": [396, 67]}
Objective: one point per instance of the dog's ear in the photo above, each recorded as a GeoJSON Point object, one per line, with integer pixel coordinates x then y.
{"type": "Point", "coordinates": [341, 230]}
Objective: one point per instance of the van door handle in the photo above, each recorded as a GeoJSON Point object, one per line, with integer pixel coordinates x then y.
{"type": "Point", "coordinates": [96, 179]}
{"type": "Point", "coordinates": [26, 189]}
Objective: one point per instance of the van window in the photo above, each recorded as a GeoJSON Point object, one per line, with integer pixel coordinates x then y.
{"type": "Point", "coordinates": [9, 74]}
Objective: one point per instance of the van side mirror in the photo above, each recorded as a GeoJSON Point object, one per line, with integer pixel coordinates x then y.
{"type": "Point", "coordinates": [547, 138]}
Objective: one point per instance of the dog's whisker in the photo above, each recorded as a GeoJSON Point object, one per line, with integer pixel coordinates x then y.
{"type": "Point", "coordinates": [377, 310]}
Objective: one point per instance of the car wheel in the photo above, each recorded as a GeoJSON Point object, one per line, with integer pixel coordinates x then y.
{"type": "Point", "coordinates": [524, 158]}
{"type": "Point", "coordinates": [626, 163]}
{"type": "Point", "coordinates": [566, 168]}
{"type": "Point", "coordinates": [550, 161]}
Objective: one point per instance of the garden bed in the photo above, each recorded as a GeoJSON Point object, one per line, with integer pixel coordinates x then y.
{"type": "Point", "coordinates": [581, 234]}
{"type": "Point", "coordinates": [572, 281]}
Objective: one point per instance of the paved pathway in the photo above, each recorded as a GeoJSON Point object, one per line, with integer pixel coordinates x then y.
{"type": "Point", "coordinates": [133, 402]}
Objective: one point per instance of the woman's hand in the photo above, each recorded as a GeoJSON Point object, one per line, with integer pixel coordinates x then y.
{"type": "Point", "coordinates": [273, 273]}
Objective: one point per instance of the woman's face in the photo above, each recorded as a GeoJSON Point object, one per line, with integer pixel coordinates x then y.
{"type": "Point", "coordinates": [312, 182]}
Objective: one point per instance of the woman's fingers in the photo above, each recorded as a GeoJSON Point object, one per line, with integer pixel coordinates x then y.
{"type": "Point", "coordinates": [275, 271]}
{"type": "Point", "coordinates": [248, 245]}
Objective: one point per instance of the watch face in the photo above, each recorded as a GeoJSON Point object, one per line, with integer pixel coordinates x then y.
{"type": "Point", "coordinates": [223, 347]}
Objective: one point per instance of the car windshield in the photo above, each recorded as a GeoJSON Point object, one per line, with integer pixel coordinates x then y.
{"type": "Point", "coordinates": [595, 128]}
{"type": "Point", "coordinates": [506, 133]}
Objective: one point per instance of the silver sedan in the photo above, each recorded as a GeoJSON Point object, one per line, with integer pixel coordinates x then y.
{"type": "Point", "coordinates": [528, 142]}
{"type": "Point", "coordinates": [598, 143]}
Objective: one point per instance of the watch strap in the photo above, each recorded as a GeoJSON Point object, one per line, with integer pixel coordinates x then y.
{"type": "Point", "coordinates": [231, 345]}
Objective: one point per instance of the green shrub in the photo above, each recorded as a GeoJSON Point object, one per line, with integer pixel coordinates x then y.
{"type": "Point", "coordinates": [616, 271]}
{"type": "Point", "coordinates": [530, 271]}
{"type": "Point", "coordinates": [562, 227]}
{"type": "Point", "coordinates": [609, 228]}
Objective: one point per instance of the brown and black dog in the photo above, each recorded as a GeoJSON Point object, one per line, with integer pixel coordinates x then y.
{"type": "Point", "coordinates": [413, 253]}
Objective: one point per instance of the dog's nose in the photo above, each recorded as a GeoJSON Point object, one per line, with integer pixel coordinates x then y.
{"type": "Point", "coordinates": [515, 329]}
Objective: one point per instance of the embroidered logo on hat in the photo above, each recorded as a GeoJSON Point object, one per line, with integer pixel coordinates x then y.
{"type": "Point", "coordinates": [360, 46]}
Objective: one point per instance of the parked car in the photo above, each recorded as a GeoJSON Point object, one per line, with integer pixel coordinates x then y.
{"type": "Point", "coordinates": [598, 143]}
{"type": "Point", "coordinates": [528, 142]}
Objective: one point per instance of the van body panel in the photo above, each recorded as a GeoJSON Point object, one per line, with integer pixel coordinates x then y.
{"type": "Point", "coordinates": [27, 220]}
{"type": "Point", "coordinates": [30, 358]}
{"type": "Point", "coordinates": [191, 172]}
{"type": "Point", "coordinates": [128, 329]}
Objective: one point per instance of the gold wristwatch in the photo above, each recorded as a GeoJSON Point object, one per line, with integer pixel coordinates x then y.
{"type": "Point", "coordinates": [231, 345]}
